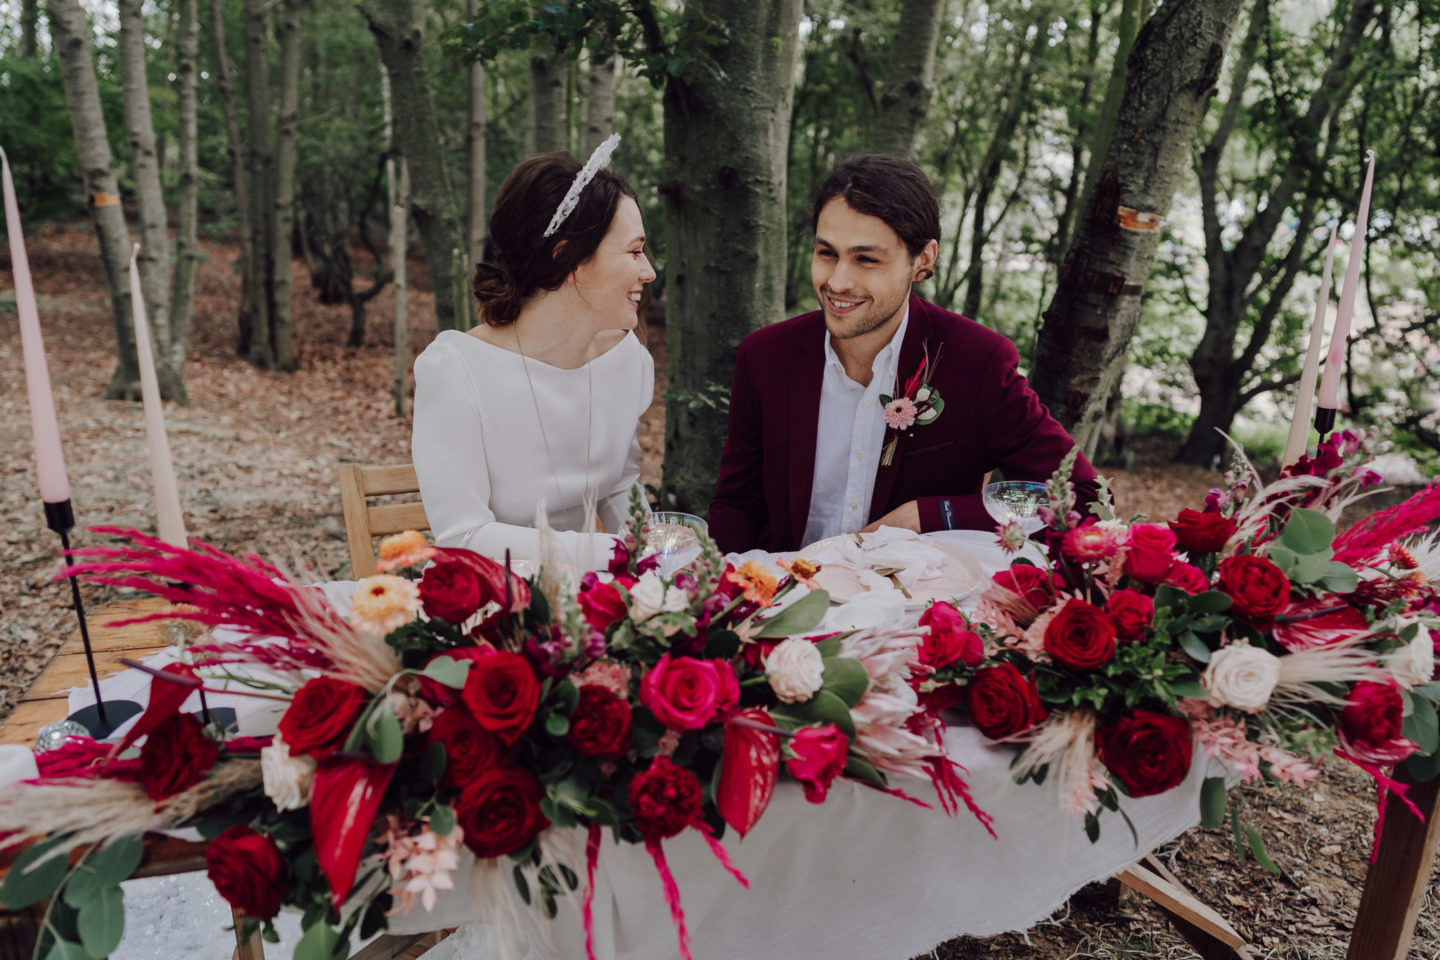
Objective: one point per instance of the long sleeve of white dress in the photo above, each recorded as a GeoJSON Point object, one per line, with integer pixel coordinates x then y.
{"type": "Point", "coordinates": [496, 434]}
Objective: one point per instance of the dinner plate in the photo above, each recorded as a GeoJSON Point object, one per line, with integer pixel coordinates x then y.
{"type": "Point", "coordinates": [960, 575]}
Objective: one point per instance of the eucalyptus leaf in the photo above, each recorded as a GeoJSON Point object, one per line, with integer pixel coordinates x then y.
{"type": "Point", "coordinates": [387, 739]}
{"type": "Point", "coordinates": [1197, 649]}
{"type": "Point", "coordinates": [1309, 569]}
{"type": "Point", "coordinates": [567, 696]}
{"type": "Point", "coordinates": [433, 762]}
{"type": "Point", "coordinates": [845, 678]}
{"type": "Point", "coordinates": [1284, 558]}
{"type": "Point", "coordinates": [556, 725]}
{"type": "Point", "coordinates": [831, 648]}
{"type": "Point", "coordinates": [27, 883]}
{"type": "Point", "coordinates": [1190, 689]}
{"type": "Point", "coordinates": [1308, 531]}
{"type": "Point", "coordinates": [800, 617]}
{"type": "Point", "coordinates": [1339, 578]}
{"type": "Point", "coordinates": [1213, 797]}
{"type": "Point", "coordinates": [116, 860]}
{"type": "Point", "coordinates": [1211, 601]}
{"type": "Point", "coordinates": [447, 671]}
{"type": "Point", "coordinates": [1422, 726]}
{"type": "Point", "coordinates": [1422, 768]}
{"type": "Point", "coordinates": [319, 942]}
{"type": "Point", "coordinates": [65, 950]}
{"type": "Point", "coordinates": [857, 769]}
{"type": "Point", "coordinates": [442, 819]}
{"type": "Point", "coordinates": [102, 922]}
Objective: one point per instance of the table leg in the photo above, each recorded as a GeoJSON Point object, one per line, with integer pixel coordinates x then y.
{"type": "Point", "coordinates": [1396, 880]}
{"type": "Point", "coordinates": [19, 929]}
{"type": "Point", "coordinates": [252, 949]}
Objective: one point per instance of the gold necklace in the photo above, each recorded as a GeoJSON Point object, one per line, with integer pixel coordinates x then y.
{"type": "Point", "coordinates": [540, 418]}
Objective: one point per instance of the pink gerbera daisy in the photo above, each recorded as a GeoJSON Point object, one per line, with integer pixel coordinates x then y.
{"type": "Point", "coordinates": [900, 413]}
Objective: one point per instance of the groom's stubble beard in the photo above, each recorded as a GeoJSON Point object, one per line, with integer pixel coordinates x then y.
{"type": "Point", "coordinates": [864, 321]}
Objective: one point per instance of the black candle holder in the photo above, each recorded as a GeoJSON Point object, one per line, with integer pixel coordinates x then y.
{"type": "Point", "coordinates": [102, 718]}
{"type": "Point", "coordinates": [1324, 421]}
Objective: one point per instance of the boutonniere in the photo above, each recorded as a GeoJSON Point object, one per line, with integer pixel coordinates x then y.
{"type": "Point", "coordinates": [918, 405]}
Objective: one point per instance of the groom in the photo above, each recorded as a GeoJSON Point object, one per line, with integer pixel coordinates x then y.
{"type": "Point", "coordinates": [806, 456]}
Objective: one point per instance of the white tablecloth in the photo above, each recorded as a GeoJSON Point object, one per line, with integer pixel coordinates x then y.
{"type": "Point", "coordinates": [864, 876]}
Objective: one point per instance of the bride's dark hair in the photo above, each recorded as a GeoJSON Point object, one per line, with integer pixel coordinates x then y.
{"type": "Point", "coordinates": [524, 260]}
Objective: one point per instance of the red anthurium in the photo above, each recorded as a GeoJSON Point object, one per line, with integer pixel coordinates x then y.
{"type": "Point", "coordinates": [343, 802]}
{"type": "Point", "coordinates": [749, 766]}
{"type": "Point", "coordinates": [166, 698]}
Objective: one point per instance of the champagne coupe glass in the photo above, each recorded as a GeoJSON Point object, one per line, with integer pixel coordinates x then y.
{"type": "Point", "coordinates": [675, 539]}
{"type": "Point", "coordinates": [1018, 501]}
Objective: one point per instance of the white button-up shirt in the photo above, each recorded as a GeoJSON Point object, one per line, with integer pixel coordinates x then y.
{"type": "Point", "coordinates": [848, 439]}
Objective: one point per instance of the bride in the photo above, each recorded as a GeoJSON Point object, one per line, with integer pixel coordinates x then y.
{"type": "Point", "coordinates": [541, 402]}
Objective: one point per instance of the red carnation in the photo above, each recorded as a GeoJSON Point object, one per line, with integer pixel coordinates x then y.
{"type": "Point", "coordinates": [820, 757]}
{"type": "Point", "coordinates": [600, 723]}
{"type": "Point", "coordinates": [949, 638]}
{"type": "Point", "coordinates": [176, 756]}
{"type": "Point", "coordinates": [665, 799]}
{"type": "Point", "coordinates": [248, 871]}
{"type": "Point", "coordinates": [1080, 636]}
{"type": "Point", "coordinates": [500, 812]}
{"type": "Point", "coordinates": [1199, 532]}
{"type": "Point", "coordinates": [470, 749]}
{"type": "Point", "coordinates": [1131, 612]}
{"type": "Point", "coordinates": [1258, 589]}
{"type": "Point", "coordinates": [1149, 752]}
{"type": "Point", "coordinates": [1374, 712]}
{"type": "Point", "coordinates": [1004, 702]}
{"type": "Point", "coordinates": [502, 694]}
{"type": "Point", "coordinates": [319, 719]}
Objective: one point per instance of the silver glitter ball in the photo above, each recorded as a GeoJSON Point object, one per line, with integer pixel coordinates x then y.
{"type": "Point", "coordinates": [55, 734]}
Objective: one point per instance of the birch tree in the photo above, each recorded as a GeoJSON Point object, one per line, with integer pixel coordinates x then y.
{"type": "Point", "coordinates": [259, 348]}
{"type": "Point", "coordinates": [602, 79]}
{"type": "Point", "coordinates": [475, 217]}
{"type": "Point", "coordinates": [549, 107]}
{"type": "Point", "coordinates": [235, 150]}
{"type": "Point", "coordinates": [282, 327]}
{"type": "Point", "coordinates": [187, 199]}
{"type": "Point", "coordinates": [909, 80]}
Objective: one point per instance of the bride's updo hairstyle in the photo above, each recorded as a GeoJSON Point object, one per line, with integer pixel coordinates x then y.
{"type": "Point", "coordinates": [524, 260]}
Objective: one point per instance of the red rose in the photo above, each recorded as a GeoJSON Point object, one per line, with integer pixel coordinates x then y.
{"type": "Point", "coordinates": [1202, 532]}
{"type": "Point", "coordinates": [665, 799]}
{"type": "Point", "coordinates": [1149, 752]}
{"type": "Point", "coordinates": [684, 693]}
{"type": "Point", "coordinates": [176, 756]}
{"type": "Point", "coordinates": [1004, 702]}
{"type": "Point", "coordinates": [1320, 631]}
{"type": "Point", "coordinates": [1259, 590]}
{"type": "Point", "coordinates": [1131, 612]}
{"type": "Point", "coordinates": [1374, 712]}
{"type": "Point", "coordinates": [1152, 550]}
{"type": "Point", "coordinates": [502, 694]}
{"type": "Point", "coordinates": [944, 697]}
{"type": "Point", "coordinates": [1081, 636]}
{"type": "Point", "coordinates": [248, 871]}
{"type": "Point", "coordinates": [439, 694]}
{"type": "Point", "coordinates": [602, 605]}
{"type": "Point", "coordinates": [1187, 577]}
{"type": "Point", "coordinates": [452, 591]}
{"type": "Point", "coordinates": [949, 638]}
{"type": "Point", "coordinates": [319, 719]}
{"type": "Point", "coordinates": [470, 749]}
{"type": "Point", "coordinates": [820, 756]}
{"type": "Point", "coordinates": [500, 812]}
{"type": "Point", "coordinates": [727, 694]}
{"type": "Point", "coordinates": [1035, 586]}
{"type": "Point", "coordinates": [600, 724]}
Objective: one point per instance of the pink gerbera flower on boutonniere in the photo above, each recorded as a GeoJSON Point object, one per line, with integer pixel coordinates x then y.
{"type": "Point", "coordinates": [900, 413]}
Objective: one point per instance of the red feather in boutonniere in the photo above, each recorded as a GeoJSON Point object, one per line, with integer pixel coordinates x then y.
{"type": "Point", "coordinates": [918, 405]}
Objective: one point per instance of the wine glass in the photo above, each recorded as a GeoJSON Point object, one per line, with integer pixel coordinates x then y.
{"type": "Point", "coordinates": [675, 539]}
{"type": "Point", "coordinates": [1017, 501]}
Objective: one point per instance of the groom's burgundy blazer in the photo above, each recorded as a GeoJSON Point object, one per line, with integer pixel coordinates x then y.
{"type": "Point", "coordinates": [991, 419]}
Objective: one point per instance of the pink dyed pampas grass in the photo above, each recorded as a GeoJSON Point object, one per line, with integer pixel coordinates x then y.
{"type": "Point", "coordinates": [1364, 542]}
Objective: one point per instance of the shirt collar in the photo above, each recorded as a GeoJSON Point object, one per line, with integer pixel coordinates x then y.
{"type": "Point", "coordinates": [890, 352]}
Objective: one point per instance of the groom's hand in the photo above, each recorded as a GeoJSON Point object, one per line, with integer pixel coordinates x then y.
{"type": "Point", "coordinates": [906, 515]}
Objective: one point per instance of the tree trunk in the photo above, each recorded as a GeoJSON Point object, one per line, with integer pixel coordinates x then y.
{"type": "Point", "coordinates": [1114, 90]}
{"type": "Point", "coordinates": [1170, 79]}
{"type": "Point", "coordinates": [600, 104]}
{"type": "Point", "coordinates": [260, 349]}
{"type": "Point", "coordinates": [548, 100]}
{"type": "Point", "coordinates": [397, 190]}
{"type": "Point", "coordinates": [399, 29]}
{"type": "Point", "coordinates": [29, 21]}
{"type": "Point", "coordinates": [909, 77]}
{"type": "Point", "coordinates": [149, 198]}
{"type": "Point", "coordinates": [1240, 272]}
{"type": "Point", "coordinates": [475, 218]}
{"type": "Point", "coordinates": [70, 33]}
{"type": "Point", "coordinates": [282, 331]}
{"type": "Point", "coordinates": [235, 147]}
{"type": "Point", "coordinates": [187, 212]}
{"type": "Point", "coordinates": [724, 186]}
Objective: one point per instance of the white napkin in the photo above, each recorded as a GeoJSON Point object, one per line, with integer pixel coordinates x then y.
{"type": "Point", "coordinates": [879, 608]}
{"type": "Point", "coordinates": [888, 547]}
{"type": "Point", "coordinates": [17, 763]}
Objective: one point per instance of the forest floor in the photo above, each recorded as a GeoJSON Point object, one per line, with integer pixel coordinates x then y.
{"type": "Point", "coordinates": [256, 455]}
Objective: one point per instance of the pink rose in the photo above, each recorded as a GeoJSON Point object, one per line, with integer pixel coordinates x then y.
{"type": "Point", "coordinates": [820, 756]}
{"type": "Point", "coordinates": [1187, 577]}
{"type": "Point", "coordinates": [949, 638]}
{"type": "Point", "coordinates": [1152, 551]}
{"type": "Point", "coordinates": [685, 693]}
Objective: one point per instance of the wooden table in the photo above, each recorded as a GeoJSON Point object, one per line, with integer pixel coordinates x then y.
{"type": "Point", "coordinates": [1384, 924]}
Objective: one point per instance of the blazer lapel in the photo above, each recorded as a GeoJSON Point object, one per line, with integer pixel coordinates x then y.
{"type": "Point", "coordinates": [917, 332]}
{"type": "Point", "coordinates": [807, 376]}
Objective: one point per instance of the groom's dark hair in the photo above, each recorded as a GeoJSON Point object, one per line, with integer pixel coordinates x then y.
{"type": "Point", "coordinates": [891, 188]}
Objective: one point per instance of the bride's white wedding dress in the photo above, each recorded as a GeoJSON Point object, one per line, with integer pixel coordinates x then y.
{"type": "Point", "coordinates": [497, 433]}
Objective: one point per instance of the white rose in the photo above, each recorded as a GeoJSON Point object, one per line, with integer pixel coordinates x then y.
{"type": "Point", "coordinates": [647, 597]}
{"type": "Point", "coordinates": [1414, 663]}
{"type": "Point", "coordinates": [794, 669]}
{"type": "Point", "coordinates": [287, 778]}
{"type": "Point", "coordinates": [1241, 676]}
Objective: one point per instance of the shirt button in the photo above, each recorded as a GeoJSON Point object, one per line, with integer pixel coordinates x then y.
{"type": "Point", "coordinates": [854, 505]}
{"type": "Point", "coordinates": [859, 455]}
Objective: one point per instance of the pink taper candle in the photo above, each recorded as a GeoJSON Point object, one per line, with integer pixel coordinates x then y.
{"type": "Point", "coordinates": [170, 523]}
{"type": "Point", "coordinates": [1330, 383]}
{"type": "Point", "coordinates": [1305, 400]}
{"type": "Point", "coordinates": [49, 459]}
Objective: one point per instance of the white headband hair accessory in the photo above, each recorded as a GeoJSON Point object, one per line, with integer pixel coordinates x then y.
{"type": "Point", "coordinates": [598, 161]}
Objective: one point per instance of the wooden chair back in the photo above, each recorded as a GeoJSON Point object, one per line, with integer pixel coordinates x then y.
{"type": "Point", "coordinates": [364, 521]}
